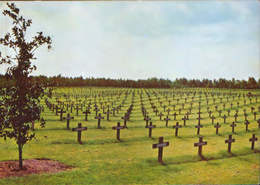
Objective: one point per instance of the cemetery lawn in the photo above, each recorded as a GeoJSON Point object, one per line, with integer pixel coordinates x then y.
{"type": "Point", "coordinates": [102, 159]}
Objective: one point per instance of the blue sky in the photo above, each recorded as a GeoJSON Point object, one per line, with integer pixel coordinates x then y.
{"type": "Point", "coordinates": [139, 40]}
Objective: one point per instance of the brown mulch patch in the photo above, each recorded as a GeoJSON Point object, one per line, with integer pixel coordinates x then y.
{"type": "Point", "coordinates": [31, 166]}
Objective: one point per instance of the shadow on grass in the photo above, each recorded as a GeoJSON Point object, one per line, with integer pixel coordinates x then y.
{"type": "Point", "coordinates": [185, 159]}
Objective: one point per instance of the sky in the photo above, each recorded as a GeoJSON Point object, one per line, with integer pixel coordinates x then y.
{"type": "Point", "coordinates": [140, 40]}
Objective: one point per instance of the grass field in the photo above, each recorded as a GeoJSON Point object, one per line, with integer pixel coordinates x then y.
{"type": "Point", "coordinates": [101, 159]}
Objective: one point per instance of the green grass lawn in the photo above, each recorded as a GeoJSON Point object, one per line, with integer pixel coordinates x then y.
{"type": "Point", "coordinates": [101, 159]}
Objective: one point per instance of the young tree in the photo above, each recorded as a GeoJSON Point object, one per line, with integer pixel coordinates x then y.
{"type": "Point", "coordinates": [20, 103]}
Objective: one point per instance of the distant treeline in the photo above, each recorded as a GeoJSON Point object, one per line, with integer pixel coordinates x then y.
{"type": "Point", "coordinates": [60, 81]}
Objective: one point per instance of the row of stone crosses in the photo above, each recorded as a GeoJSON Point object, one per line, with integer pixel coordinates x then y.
{"type": "Point", "coordinates": [145, 113]}
{"type": "Point", "coordinates": [200, 144]}
{"type": "Point", "coordinates": [77, 107]}
{"type": "Point", "coordinates": [59, 109]}
{"type": "Point", "coordinates": [161, 143]}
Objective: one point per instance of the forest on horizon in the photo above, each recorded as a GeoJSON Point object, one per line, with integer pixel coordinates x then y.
{"type": "Point", "coordinates": [61, 81]}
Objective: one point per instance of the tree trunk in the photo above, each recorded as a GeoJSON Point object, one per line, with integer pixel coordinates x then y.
{"type": "Point", "coordinates": [20, 148]}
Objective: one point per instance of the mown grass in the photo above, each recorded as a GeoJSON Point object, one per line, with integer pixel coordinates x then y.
{"type": "Point", "coordinates": [101, 159]}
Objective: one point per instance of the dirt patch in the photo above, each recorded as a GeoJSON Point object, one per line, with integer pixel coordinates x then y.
{"type": "Point", "coordinates": [31, 166]}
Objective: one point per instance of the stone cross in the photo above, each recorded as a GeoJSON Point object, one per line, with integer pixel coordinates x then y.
{"type": "Point", "coordinates": [217, 126]}
{"type": "Point", "coordinates": [160, 146]}
{"type": "Point", "coordinates": [68, 118]}
{"type": "Point", "coordinates": [161, 114]}
{"type": "Point", "coordinates": [199, 118]}
{"type": "Point", "coordinates": [228, 112]}
{"type": "Point", "coordinates": [86, 114]}
{"type": "Point", "coordinates": [247, 123]}
{"type": "Point", "coordinates": [176, 127]}
{"type": "Point", "coordinates": [184, 120]}
{"type": "Point", "coordinates": [125, 118]}
{"type": "Point", "coordinates": [200, 144]}
{"type": "Point", "coordinates": [118, 128]}
{"type": "Point", "coordinates": [224, 117]}
{"type": "Point", "coordinates": [147, 119]}
{"type": "Point", "coordinates": [56, 110]}
{"type": "Point", "coordinates": [233, 125]}
{"type": "Point", "coordinates": [77, 110]}
{"type": "Point", "coordinates": [235, 116]}
{"type": "Point", "coordinates": [151, 126]}
{"type": "Point", "coordinates": [254, 115]}
{"type": "Point", "coordinates": [99, 117]}
{"type": "Point", "coordinates": [108, 112]}
{"type": "Point", "coordinates": [166, 120]}
{"type": "Point", "coordinates": [210, 112]}
{"type": "Point", "coordinates": [79, 129]}
{"type": "Point", "coordinates": [198, 128]}
{"type": "Point", "coordinates": [219, 113]}
{"type": "Point", "coordinates": [229, 141]}
{"type": "Point", "coordinates": [61, 114]}
{"type": "Point", "coordinates": [245, 114]}
{"type": "Point", "coordinates": [175, 114]}
{"type": "Point", "coordinates": [252, 140]}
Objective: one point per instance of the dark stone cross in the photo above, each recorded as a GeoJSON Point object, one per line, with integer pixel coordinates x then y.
{"type": "Point", "coordinates": [245, 114]}
{"type": "Point", "coordinates": [187, 115]}
{"type": "Point", "coordinates": [168, 111]}
{"type": "Point", "coordinates": [175, 114]}
{"type": "Point", "coordinates": [147, 119]}
{"type": "Point", "coordinates": [184, 120]}
{"type": "Point", "coordinates": [219, 113]}
{"type": "Point", "coordinates": [176, 127]}
{"type": "Point", "coordinates": [160, 146]}
{"type": "Point", "coordinates": [252, 109]}
{"type": "Point", "coordinates": [61, 114]}
{"type": "Point", "coordinates": [179, 110]}
{"type": "Point", "coordinates": [233, 125]}
{"type": "Point", "coordinates": [156, 112]}
{"type": "Point", "coordinates": [217, 126]}
{"type": "Point", "coordinates": [210, 112]}
{"type": "Point", "coordinates": [71, 108]}
{"type": "Point", "coordinates": [254, 115]}
{"type": "Point", "coordinates": [68, 118]}
{"type": "Point", "coordinates": [125, 118]}
{"type": "Point", "coordinates": [229, 141]}
{"type": "Point", "coordinates": [247, 123]}
{"type": "Point", "coordinates": [113, 109]}
{"type": "Point", "coordinates": [77, 110]}
{"type": "Point", "coordinates": [79, 129]}
{"type": "Point", "coordinates": [108, 112]}
{"type": "Point", "coordinates": [199, 118]}
{"type": "Point", "coordinates": [56, 110]}
{"type": "Point", "coordinates": [200, 144]}
{"type": "Point", "coordinates": [224, 117]}
{"type": "Point", "coordinates": [166, 120]}
{"type": "Point", "coordinates": [252, 140]}
{"type": "Point", "coordinates": [99, 117]}
{"type": "Point", "coordinates": [96, 109]}
{"type": "Point", "coordinates": [198, 128]}
{"type": "Point", "coordinates": [164, 107]}
{"type": "Point", "coordinates": [199, 104]}
{"type": "Point", "coordinates": [235, 116]}
{"type": "Point", "coordinates": [86, 114]}
{"type": "Point", "coordinates": [228, 112]}
{"type": "Point", "coordinates": [151, 126]}
{"type": "Point", "coordinates": [161, 114]}
{"type": "Point", "coordinates": [118, 128]}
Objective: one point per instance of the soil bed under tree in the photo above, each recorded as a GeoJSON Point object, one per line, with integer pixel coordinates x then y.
{"type": "Point", "coordinates": [31, 166]}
